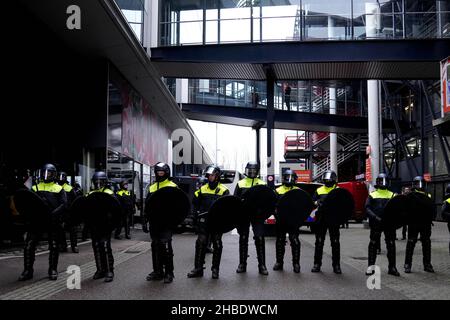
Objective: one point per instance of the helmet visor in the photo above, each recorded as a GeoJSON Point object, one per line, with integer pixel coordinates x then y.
{"type": "Point", "coordinates": [48, 175]}
{"type": "Point", "coordinates": [288, 178]}
{"type": "Point", "coordinates": [251, 172]}
{"type": "Point", "coordinates": [382, 182]}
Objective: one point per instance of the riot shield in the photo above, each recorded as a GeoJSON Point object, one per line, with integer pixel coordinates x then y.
{"type": "Point", "coordinates": [167, 207]}
{"type": "Point", "coordinates": [395, 213]}
{"type": "Point", "coordinates": [259, 202]}
{"type": "Point", "coordinates": [338, 207]}
{"type": "Point", "coordinates": [225, 214]}
{"type": "Point", "coordinates": [421, 209]}
{"type": "Point", "coordinates": [35, 211]}
{"type": "Point", "coordinates": [293, 208]}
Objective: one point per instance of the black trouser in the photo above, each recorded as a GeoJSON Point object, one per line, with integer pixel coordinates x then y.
{"type": "Point", "coordinates": [101, 245]}
{"type": "Point", "coordinates": [32, 239]}
{"type": "Point", "coordinates": [404, 231]}
{"type": "Point", "coordinates": [425, 235]}
{"type": "Point", "coordinates": [125, 222]}
{"type": "Point", "coordinates": [72, 235]}
{"type": "Point", "coordinates": [375, 239]}
{"type": "Point", "coordinates": [280, 244]}
{"type": "Point", "coordinates": [448, 226]}
{"type": "Point", "coordinates": [258, 236]}
{"type": "Point", "coordinates": [200, 249]}
{"type": "Point", "coordinates": [320, 229]}
{"type": "Point", "coordinates": [162, 251]}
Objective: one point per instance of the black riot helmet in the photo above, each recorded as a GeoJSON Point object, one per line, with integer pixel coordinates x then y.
{"type": "Point", "coordinates": [124, 184]}
{"type": "Point", "coordinates": [48, 173]}
{"type": "Point", "coordinates": [418, 183]}
{"type": "Point", "coordinates": [99, 180]}
{"type": "Point", "coordinates": [329, 178]}
{"type": "Point", "coordinates": [62, 178]}
{"type": "Point", "coordinates": [216, 172]}
{"type": "Point", "coordinates": [162, 167]}
{"type": "Point", "coordinates": [382, 181]}
{"type": "Point", "coordinates": [289, 178]}
{"type": "Point", "coordinates": [252, 169]}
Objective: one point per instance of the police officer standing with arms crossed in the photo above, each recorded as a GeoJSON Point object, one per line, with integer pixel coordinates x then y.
{"type": "Point", "coordinates": [321, 227]}
{"type": "Point", "coordinates": [251, 179]}
{"type": "Point", "coordinates": [202, 201]}
{"type": "Point", "coordinates": [375, 204]}
{"type": "Point", "coordinates": [71, 195]}
{"type": "Point", "coordinates": [162, 252]}
{"type": "Point", "coordinates": [414, 229]}
{"type": "Point", "coordinates": [55, 198]}
{"type": "Point", "coordinates": [288, 179]}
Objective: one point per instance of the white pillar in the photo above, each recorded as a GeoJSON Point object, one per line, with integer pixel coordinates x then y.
{"type": "Point", "coordinates": [333, 136]}
{"type": "Point", "coordinates": [372, 24]}
{"type": "Point", "coordinates": [182, 90]}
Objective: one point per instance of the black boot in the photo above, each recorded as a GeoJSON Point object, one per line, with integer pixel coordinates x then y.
{"type": "Point", "coordinates": [28, 260]}
{"type": "Point", "coordinates": [372, 256]}
{"type": "Point", "coordinates": [168, 262]}
{"type": "Point", "coordinates": [109, 274]}
{"type": "Point", "coordinates": [243, 253]}
{"type": "Point", "coordinates": [53, 260]}
{"type": "Point", "coordinates": [158, 272]}
{"type": "Point", "coordinates": [426, 250]}
{"type": "Point", "coordinates": [410, 244]}
{"type": "Point", "coordinates": [336, 256]}
{"type": "Point", "coordinates": [280, 244]}
{"type": "Point", "coordinates": [217, 255]}
{"type": "Point", "coordinates": [318, 252]}
{"type": "Point", "coordinates": [391, 255]}
{"type": "Point", "coordinates": [74, 240]}
{"type": "Point", "coordinates": [295, 247]}
{"type": "Point", "coordinates": [100, 273]}
{"type": "Point", "coordinates": [261, 255]}
{"type": "Point", "coordinates": [199, 260]}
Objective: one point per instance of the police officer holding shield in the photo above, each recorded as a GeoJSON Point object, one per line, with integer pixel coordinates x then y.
{"type": "Point", "coordinates": [251, 179]}
{"type": "Point", "coordinates": [320, 228]}
{"type": "Point", "coordinates": [55, 198]}
{"type": "Point", "coordinates": [71, 195]}
{"type": "Point", "coordinates": [289, 178]}
{"type": "Point", "coordinates": [375, 205]}
{"type": "Point", "coordinates": [162, 252]}
{"type": "Point", "coordinates": [414, 228]}
{"type": "Point", "coordinates": [202, 201]}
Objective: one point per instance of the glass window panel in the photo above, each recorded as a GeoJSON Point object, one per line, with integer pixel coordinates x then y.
{"type": "Point", "coordinates": [133, 15]}
{"type": "Point", "coordinates": [235, 25]}
{"type": "Point", "coordinates": [278, 28]}
{"type": "Point", "coordinates": [420, 25]}
{"type": "Point", "coordinates": [191, 15]}
{"type": "Point", "coordinates": [191, 32]}
{"type": "Point", "coordinates": [211, 34]}
{"type": "Point", "coordinates": [256, 30]}
{"type": "Point", "coordinates": [279, 11]}
{"type": "Point", "coordinates": [320, 7]}
{"type": "Point", "coordinates": [137, 27]}
{"type": "Point", "coordinates": [420, 6]}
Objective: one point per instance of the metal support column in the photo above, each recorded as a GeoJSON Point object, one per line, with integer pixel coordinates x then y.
{"type": "Point", "coordinates": [333, 136]}
{"type": "Point", "coordinates": [270, 124]}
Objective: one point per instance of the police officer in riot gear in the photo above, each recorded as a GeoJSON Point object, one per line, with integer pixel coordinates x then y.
{"type": "Point", "coordinates": [101, 237]}
{"type": "Point", "coordinates": [446, 210]}
{"type": "Point", "coordinates": [375, 204]}
{"type": "Point", "coordinates": [202, 201]}
{"type": "Point", "coordinates": [127, 202]}
{"type": "Point", "coordinates": [320, 228]}
{"type": "Point", "coordinates": [71, 195]}
{"type": "Point", "coordinates": [289, 178]}
{"type": "Point", "coordinates": [419, 185]}
{"type": "Point", "coordinates": [162, 251]}
{"type": "Point", "coordinates": [251, 179]}
{"type": "Point", "coordinates": [55, 198]}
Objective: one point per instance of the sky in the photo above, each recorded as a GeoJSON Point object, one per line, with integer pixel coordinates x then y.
{"type": "Point", "coordinates": [236, 145]}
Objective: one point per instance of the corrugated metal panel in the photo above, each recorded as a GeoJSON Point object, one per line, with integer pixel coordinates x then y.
{"type": "Point", "coordinates": [210, 70]}
{"type": "Point", "coordinates": [324, 70]}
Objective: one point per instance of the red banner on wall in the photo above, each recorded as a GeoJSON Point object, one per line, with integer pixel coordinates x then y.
{"type": "Point", "coordinates": [445, 86]}
{"type": "Point", "coordinates": [368, 170]}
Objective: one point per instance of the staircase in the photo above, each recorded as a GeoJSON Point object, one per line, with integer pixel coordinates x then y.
{"type": "Point", "coordinates": [351, 147]}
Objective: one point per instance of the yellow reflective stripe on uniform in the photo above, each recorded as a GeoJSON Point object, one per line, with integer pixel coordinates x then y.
{"type": "Point", "coordinates": [67, 188]}
{"type": "Point", "coordinates": [381, 194]}
{"type": "Point", "coordinates": [160, 185]}
{"type": "Point", "coordinates": [247, 182]}
{"type": "Point", "coordinates": [105, 190]}
{"type": "Point", "coordinates": [283, 189]}
{"type": "Point", "coordinates": [325, 189]}
{"type": "Point", "coordinates": [49, 187]}
{"type": "Point", "coordinates": [427, 194]}
{"type": "Point", "coordinates": [206, 190]}
{"type": "Point", "coordinates": [448, 200]}
{"type": "Point", "coordinates": [122, 192]}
